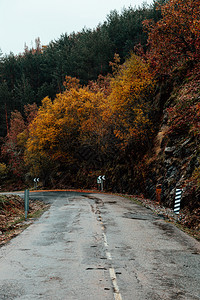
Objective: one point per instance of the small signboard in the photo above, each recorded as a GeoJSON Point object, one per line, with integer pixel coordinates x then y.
{"type": "Point", "coordinates": [36, 180]}
{"type": "Point", "coordinates": [100, 180]}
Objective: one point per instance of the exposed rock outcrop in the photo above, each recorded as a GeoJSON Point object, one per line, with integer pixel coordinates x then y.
{"type": "Point", "coordinates": [176, 149]}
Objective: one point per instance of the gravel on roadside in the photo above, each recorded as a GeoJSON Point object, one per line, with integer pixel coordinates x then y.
{"type": "Point", "coordinates": [187, 221]}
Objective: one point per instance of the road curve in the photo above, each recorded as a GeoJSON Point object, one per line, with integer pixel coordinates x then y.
{"type": "Point", "coordinates": [99, 247]}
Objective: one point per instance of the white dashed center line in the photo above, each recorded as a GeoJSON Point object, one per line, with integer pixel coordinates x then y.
{"type": "Point", "coordinates": [112, 273]}
{"type": "Point", "coordinates": [113, 277]}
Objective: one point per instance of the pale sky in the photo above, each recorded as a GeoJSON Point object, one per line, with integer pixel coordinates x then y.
{"type": "Point", "coordinates": [22, 21]}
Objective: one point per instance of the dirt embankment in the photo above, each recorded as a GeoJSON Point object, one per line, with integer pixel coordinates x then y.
{"type": "Point", "coordinates": [12, 215]}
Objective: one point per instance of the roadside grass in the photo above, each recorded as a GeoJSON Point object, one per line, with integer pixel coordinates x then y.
{"type": "Point", "coordinates": [38, 213]}
{"type": "Point", "coordinates": [12, 216]}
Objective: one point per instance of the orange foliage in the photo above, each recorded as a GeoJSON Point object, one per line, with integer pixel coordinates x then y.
{"type": "Point", "coordinates": [176, 37]}
{"type": "Point", "coordinates": [90, 115]}
{"type": "Point", "coordinates": [127, 105]}
{"type": "Point", "coordinates": [62, 125]}
{"type": "Point", "coordinates": [15, 142]}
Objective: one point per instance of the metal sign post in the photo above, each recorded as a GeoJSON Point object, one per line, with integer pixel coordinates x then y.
{"type": "Point", "coordinates": [26, 202]}
{"type": "Point", "coordinates": [102, 180]}
{"type": "Point", "coordinates": [99, 182]}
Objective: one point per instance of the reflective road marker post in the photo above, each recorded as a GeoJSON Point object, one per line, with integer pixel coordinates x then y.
{"type": "Point", "coordinates": [26, 202]}
{"type": "Point", "coordinates": [177, 203]}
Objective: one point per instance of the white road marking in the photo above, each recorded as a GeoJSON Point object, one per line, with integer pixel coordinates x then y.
{"type": "Point", "coordinates": [108, 255]}
{"type": "Point", "coordinates": [113, 277]}
{"type": "Point", "coordinates": [114, 281]}
{"type": "Point", "coordinates": [105, 240]}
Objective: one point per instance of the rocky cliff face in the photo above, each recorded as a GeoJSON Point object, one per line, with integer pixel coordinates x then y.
{"type": "Point", "coordinates": [175, 161]}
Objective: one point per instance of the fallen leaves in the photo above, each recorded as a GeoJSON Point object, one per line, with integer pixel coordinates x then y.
{"type": "Point", "coordinates": [12, 218]}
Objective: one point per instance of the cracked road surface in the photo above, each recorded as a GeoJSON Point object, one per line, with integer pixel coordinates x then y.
{"type": "Point", "coordinates": [99, 247]}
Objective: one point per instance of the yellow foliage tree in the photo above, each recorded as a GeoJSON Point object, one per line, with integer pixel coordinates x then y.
{"type": "Point", "coordinates": [88, 117]}
{"type": "Point", "coordinates": [61, 126]}
{"type": "Point", "coordinates": [127, 105]}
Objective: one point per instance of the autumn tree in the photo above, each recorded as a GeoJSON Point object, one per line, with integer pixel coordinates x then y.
{"type": "Point", "coordinates": [15, 141]}
{"type": "Point", "coordinates": [85, 127]}
{"type": "Point", "coordinates": [10, 150]}
{"type": "Point", "coordinates": [175, 38]}
{"type": "Point", "coordinates": [128, 102]}
{"type": "Point", "coordinates": [62, 128]}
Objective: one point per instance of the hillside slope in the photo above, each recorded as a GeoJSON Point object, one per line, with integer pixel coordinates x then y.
{"type": "Point", "coordinates": [174, 160]}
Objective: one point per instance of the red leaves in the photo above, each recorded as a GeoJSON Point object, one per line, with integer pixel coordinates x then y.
{"type": "Point", "coordinates": [185, 115]}
{"type": "Point", "coordinates": [14, 146]}
{"type": "Point", "coordinates": [176, 37]}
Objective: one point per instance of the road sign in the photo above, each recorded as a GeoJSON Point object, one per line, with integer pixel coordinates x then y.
{"type": "Point", "coordinates": [35, 182]}
{"type": "Point", "coordinates": [99, 179]}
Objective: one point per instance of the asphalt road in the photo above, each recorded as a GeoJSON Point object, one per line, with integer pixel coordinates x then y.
{"type": "Point", "coordinates": [99, 247]}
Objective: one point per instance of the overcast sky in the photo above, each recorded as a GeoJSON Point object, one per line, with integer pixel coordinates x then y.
{"type": "Point", "coordinates": [22, 21]}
